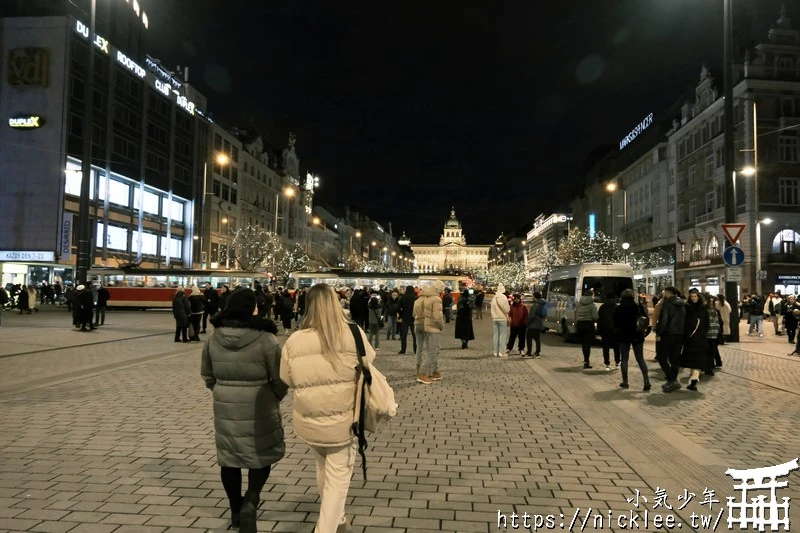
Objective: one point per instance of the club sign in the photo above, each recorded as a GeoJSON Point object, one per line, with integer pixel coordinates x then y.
{"type": "Point", "coordinates": [26, 122]}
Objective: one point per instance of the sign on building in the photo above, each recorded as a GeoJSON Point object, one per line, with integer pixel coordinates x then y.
{"type": "Point", "coordinates": [28, 67]}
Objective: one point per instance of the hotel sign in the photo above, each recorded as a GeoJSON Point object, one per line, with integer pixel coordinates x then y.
{"type": "Point", "coordinates": [26, 122]}
{"type": "Point", "coordinates": [635, 132]}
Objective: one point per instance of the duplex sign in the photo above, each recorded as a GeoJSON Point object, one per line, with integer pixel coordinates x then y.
{"type": "Point", "coordinates": [26, 122]}
{"type": "Point", "coordinates": [11, 255]}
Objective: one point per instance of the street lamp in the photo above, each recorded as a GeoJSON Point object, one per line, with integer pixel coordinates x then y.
{"type": "Point", "coordinates": [625, 246]}
{"type": "Point", "coordinates": [224, 221]}
{"type": "Point", "coordinates": [288, 192]}
{"type": "Point", "coordinates": [766, 222]}
{"type": "Point", "coordinates": [611, 187]}
{"type": "Point", "coordinates": [220, 159]}
{"type": "Point", "coordinates": [358, 236]}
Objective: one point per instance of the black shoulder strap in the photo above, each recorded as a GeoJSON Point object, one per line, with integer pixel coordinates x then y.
{"type": "Point", "coordinates": [358, 426]}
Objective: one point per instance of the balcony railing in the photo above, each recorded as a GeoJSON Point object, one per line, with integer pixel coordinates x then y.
{"type": "Point", "coordinates": [784, 258]}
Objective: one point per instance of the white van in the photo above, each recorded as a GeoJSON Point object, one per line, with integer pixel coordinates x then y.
{"type": "Point", "coordinates": [567, 284]}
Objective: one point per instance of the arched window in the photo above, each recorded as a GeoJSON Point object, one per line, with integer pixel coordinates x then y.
{"type": "Point", "coordinates": [712, 248]}
{"type": "Point", "coordinates": [787, 241]}
{"type": "Point", "coordinates": [697, 251]}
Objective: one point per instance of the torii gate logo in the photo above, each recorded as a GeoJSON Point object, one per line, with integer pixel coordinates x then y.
{"type": "Point", "coordinates": [757, 511]}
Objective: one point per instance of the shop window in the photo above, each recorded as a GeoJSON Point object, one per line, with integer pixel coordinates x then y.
{"type": "Point", "coordinates": [116, 237]}
{"type": "Point", "coordinates": [149, 202]}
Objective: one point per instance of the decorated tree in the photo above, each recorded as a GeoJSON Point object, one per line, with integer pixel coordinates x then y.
{"type": "Point", "coordinates": [512, 275]}
{"type": "Point", "coordinates": [651, 259]}
{"type": "Point", "coordinates": [255, 247]}
{"type": "Point", "coordinates": [290, 260]}
{"type": "Point", "coordinates": [374, 265]}
{"type": "Point", "coordinates": [354, 263]}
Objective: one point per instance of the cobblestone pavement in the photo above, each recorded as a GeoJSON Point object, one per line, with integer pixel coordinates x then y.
{"type": "Point", "coordinates": [118, 436]}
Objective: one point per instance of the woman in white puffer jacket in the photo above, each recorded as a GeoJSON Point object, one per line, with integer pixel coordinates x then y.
{"type": "Point", "coordinates": [319, 362]}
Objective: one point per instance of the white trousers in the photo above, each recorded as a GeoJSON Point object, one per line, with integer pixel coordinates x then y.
{"type": "Point", "coordinates": [334, 470]}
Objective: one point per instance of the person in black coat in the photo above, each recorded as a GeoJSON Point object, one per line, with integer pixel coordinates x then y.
{"type": "Point", "coordinates": [695, 353]}
{"type": "Point", "coordinates": [286, 311]}
{"type": "Point", "coordinates": [102, 304]}
{"type": "Point", "coordinates": [181, 311]}
{"type": "Point", "coordinates": [86, 306]}
{"type": "Point", "coordinates": [390, 310]}
{"type": "Point", "coordinates": [406, 318]}
{"type": "Point", "coordinates": [211, 304]}
{"type": "Point", "coordinates": [605, 327]}
{"type": "Point", "coordinates": [464, 329]}
{"type": "Point", "coordinates": [355, 307]}
{"type": "Point", "coordinates": [626, 331]}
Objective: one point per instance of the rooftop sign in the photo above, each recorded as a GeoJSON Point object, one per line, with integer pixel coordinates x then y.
{"type": "Point", "coordinates": [640, 127]}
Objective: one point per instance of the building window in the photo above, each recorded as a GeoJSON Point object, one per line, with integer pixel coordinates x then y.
{"type": "Point", "coordinates": [697, 251]}
{"type": "Point", "coordinates": [116, 237]}
{"type": "Point", "coordinates": [683, 251]}
{"type": "Point", "coordinates": [226, 193]}
{"type": "Point", "coordinates": [712, 250]}
{"type": "Point", "coordinates": [177, 211]}
{"type": "Point", "coordinates": [233, 196]}
{"type": "Point", "coordinates": [681, 215]}
{"type": "Point", "coordinates": [720, 195]}
{"type": "Point", "coordinates": [118, 192]}
{"type": "Point", "coordinates": [789, 191]}
{"type": "Point", "coordinates": [710, 201]}
{"type": "Point", "coordinates": [710, 167]}
{"type": "Point", "coordinates": [150, 203]}
{"type": "Point", "coordinates": [692, 209]}
{"type": "Point", "coordinates": [692, 181]}
{"type": "Point", "coordinates": [787, 106]}
{"type": "Point", "coordinates": [681, 182]}
{"type": "Point", "coordinates": [671, 204]}
{"type": "Point", "coordinates": [786, 242]}
{"type": "Point", "coordinates": [149, 243]}
{"type": "Point", "coordinates": [787, 147]}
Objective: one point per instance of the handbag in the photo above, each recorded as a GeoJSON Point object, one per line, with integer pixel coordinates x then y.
{"type": "Point", "coordinates": [374, 402]}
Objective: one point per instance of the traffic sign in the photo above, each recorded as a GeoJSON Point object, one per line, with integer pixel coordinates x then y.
{"type": "Point", "coordinates": [733, 232]}
{"type": "Point", "coordinates": [733, 256]}
{"type": "Point", "coordinates": [733, 274]}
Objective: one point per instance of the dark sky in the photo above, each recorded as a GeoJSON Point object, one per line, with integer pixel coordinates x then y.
{"type": "Point", "coordinates": [406, 108]}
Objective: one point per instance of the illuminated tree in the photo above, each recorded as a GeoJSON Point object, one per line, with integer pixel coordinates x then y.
{"type": "Point", "coordinates": [290, 260]}
{"type": "Point", "coordinates": [255, 247]}
{"type": "Point", "coordinates": [651, 259]}
{"type": "Point", "coordinates": [354, 263]}
{"type": "Point", "coordinates": [512, 275]}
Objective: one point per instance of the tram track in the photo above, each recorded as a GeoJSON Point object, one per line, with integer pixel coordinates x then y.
{"type": "Point", "coordinates": [83, 345]}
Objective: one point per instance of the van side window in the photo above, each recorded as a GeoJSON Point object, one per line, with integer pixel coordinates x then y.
{"type": "Point", "coordinates": [562, 289]}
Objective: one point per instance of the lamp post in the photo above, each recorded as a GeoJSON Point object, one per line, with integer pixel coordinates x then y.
{"type": "Point", "coordinates": [758, 284]}
{"type": "Point", "coordinates": [611, 187]}
{"type": "Point", "coordinates": [625, 246]}
{"type": "Point", "coordinates": [358, 236]}
{"type": "Point", "coordinates": [731, 287]}
{"type": "Point", "coordinates": [221, 159]}
{"type": "Point", "coordinates": [224, 221]}
{"type": "Point", "coordinates": [288, 192]}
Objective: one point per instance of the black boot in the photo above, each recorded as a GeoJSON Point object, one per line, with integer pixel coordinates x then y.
{"type": "Point", "coordinates": [463, 345]}
{"type": "Point", "coordinates": [247, 514]}
{"type": "Point", "coordinates": [692, 385]}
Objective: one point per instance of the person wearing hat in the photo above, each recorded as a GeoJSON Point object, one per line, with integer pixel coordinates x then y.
{"type": "Point", "coordinates": [241, 365]}
{"type": "Point", "coordinates": [85, 308]}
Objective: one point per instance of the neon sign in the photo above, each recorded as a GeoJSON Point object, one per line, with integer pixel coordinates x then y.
{"type": "Point", "coordinates": [168, 87]}
{"type": "Point", "coordinates": [635, 132]}
{"type": "Point", "coordinates": [26, 122]}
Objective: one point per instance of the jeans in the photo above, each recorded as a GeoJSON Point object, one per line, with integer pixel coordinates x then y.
{"type": "Point", "coordinates": [516, 332]}
{"type": "Point", "coordinates": [756, 321]}
{"type": "Point", "coordinates": [499, 330]}
{"type": "Point", "coordinates": [776, 321]}
{"type": "Point", "coordinates": [534, 335]}
{"type": "Point", "coordinates": [99, 315]}
{"type": "Point", "coordinates": [609, 343]}
{"type": "Point", "coordinates": [391, 330]}
{"type": "Point", "coordinates": [334, 470]}
{"type": "Point", "coordinates": [638, 352]}
{"type": "Point", "coordinates": [374, 335]}
{"type": "Point", "coordinates": [669, 355]}
{"type": "Point", "coordinates": [713, 352]}
{"type": "Point", "coordinates": [428, 354]}
{"type": "Point", "coordinates": [405, 326]}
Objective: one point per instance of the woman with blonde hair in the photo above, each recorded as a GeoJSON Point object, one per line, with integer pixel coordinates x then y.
{"type": "Point", "coordinates": [319, 362]}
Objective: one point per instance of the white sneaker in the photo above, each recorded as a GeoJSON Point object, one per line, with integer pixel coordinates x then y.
{"type": "Point", "coordinates": [519, 352]}
{"type": "Point", "coordinates": [503, 355]}
{"type": "Point", "coordinates": [608, 368]}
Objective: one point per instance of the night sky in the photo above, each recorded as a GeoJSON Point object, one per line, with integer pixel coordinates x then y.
{"type": "Point", "coordinates": [406, 108]}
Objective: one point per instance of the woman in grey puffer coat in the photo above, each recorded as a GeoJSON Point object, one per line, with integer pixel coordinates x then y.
{"type": "Point", "coordinates": [241, 365]}
{"type": "Point", "coordinates": [586, 316]}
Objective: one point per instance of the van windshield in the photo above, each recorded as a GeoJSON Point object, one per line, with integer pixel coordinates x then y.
{"type": "Point", "coordinates": [603, 286]}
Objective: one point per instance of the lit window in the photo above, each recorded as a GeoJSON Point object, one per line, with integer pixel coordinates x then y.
{"type": "Point", "coordinates": [176, 213]}
{"type": "Point", "coordinates": [712, 250]}
{"type": "Point", "coordinates": [175, 249]}
{"type": "Point", "coordinates": [149, 203]}
{"type": "Point", "coordinates": [149, 243]}
{"type": "Point", "coordinates": [118, 192]}
{"type": "Point", "coordinates": [116, 237]}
